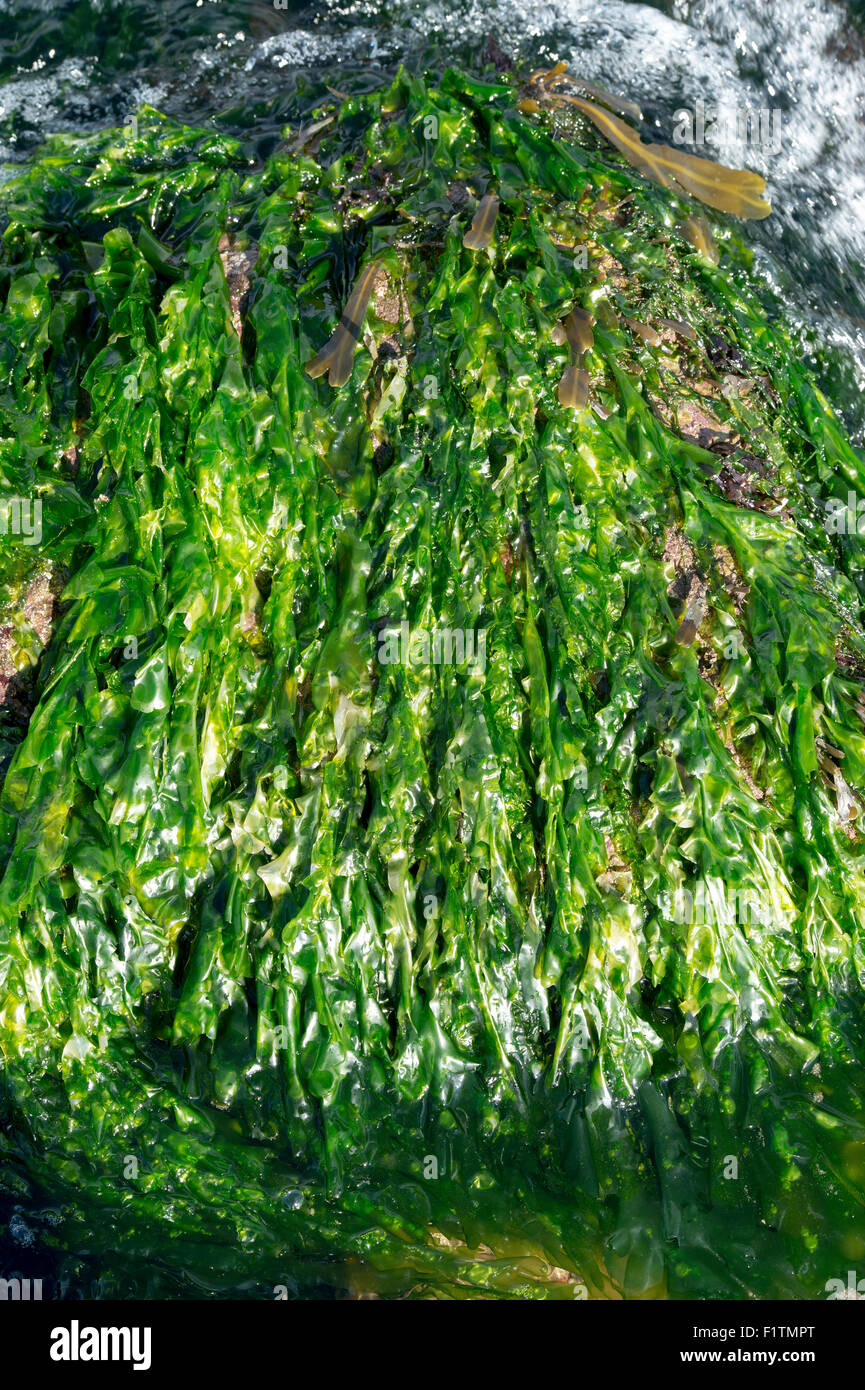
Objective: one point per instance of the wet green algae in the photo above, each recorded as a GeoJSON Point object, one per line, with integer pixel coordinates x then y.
{"type": "Point", "coordinates": [326, 974]}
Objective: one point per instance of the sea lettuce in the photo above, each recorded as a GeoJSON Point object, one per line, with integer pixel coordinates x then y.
{"type": "Point", "coordinates": [337, 955]}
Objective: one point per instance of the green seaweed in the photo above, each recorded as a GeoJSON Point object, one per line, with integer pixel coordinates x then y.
{"type": "Point", "coordinates": [331, 963]}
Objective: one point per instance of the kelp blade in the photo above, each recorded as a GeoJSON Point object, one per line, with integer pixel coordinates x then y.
{"type": "Point", "coordinates": [337, 354]}
{"type": "Point", "coordinates": [729, 190]}
{"type": "Point", "coordinates": [480, 234]}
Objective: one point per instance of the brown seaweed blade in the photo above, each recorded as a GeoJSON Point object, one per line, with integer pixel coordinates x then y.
{"type": "Point", "coordinates": [620, 105]}
{"type": "Point", "coordinates": [547, 75]}
{"type": "Point", "coordinates": [644, 331]}
{"type": "Point", "coordinates": [691, 620]}
{"type": "Point", "coordinates": [480, 234]}
{"type": "Point", "coordinates": [730, 190]}
{"type": "Point", "coordinates": [684, 330]}
{"type": "Point", "coordinates": [577, 328]}
{"type": "Point", "coordinates": [697, 231]}
{"type": "Point", "coordinates": [550, 76]}
{"type": "Point", "coordinates": [338, 352]}
{"type": "Point", "coordinates": [573, 389]}
{"type": "Point", "coordinates": [304, 135]}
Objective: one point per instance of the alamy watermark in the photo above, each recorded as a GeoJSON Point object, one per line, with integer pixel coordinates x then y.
{"type": "Point", "coordinates": [21, 516]}
{"type": "Point", "coordinates": [77, 1343]}
{"type": "Point", "coordinates": [845, 518]}
{"type": "Point", "coordinates": [721, 907]}
{"type": "Point", "coordinates": [20, 1290]}
{"type": "Point", "coordinates": [853, 1289]}
{"type": "Point", "coordinates": [726, 125]}
{"type": "Point", "coordinates": [444, 646]}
